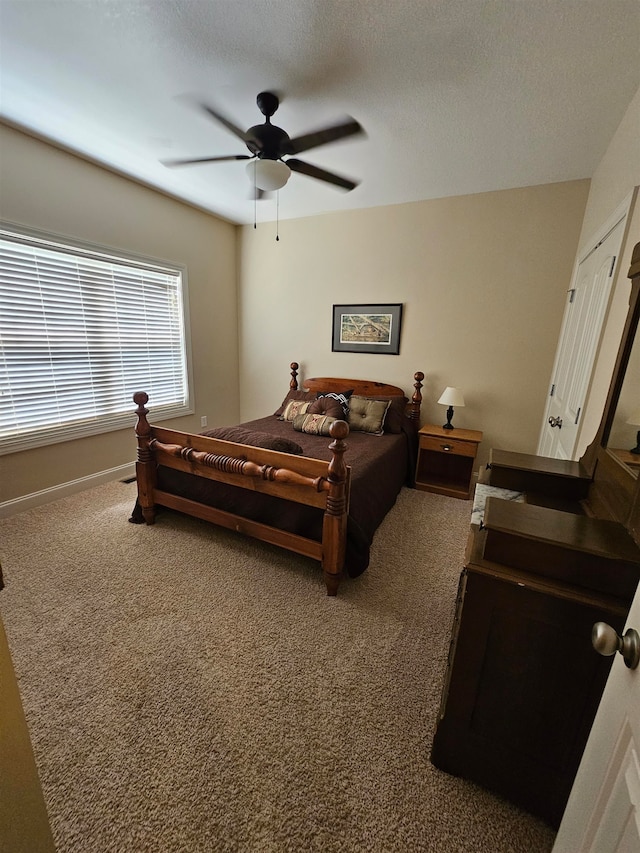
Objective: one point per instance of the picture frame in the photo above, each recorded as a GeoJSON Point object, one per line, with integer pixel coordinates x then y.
{"type": "Point", "coordinates": [371, 328]}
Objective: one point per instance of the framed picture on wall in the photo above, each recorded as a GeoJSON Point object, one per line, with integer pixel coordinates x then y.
{"type": "Point", "coordinates": [367, 328]}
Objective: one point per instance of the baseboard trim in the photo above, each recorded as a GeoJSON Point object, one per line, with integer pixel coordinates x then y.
{"type": "Point", "coordinates": [45, 496]}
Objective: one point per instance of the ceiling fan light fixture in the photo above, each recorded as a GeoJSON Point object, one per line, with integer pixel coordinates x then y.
{"type": "Point", "coordinates": [268, 175]}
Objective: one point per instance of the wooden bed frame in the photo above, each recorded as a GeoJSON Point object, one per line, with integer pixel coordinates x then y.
{"type": "Point", "coordinates": [300, 479]}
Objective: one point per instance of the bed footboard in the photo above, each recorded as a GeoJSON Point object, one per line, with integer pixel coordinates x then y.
{"type": "Point", "coordinates": [324, 485]}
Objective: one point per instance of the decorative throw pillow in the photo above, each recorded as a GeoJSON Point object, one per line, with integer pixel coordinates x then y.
{"type": "Point", "coordinates": [327, 406]}
{"type": "Point", "coordinates": [313, 424]}
{"type": "Point", "coordinates": [342, 397]}
{"type": "Point", "coordinates": [293, 408]}
{"type": "Point", "coordinates": [395, 416]}
{"type": "Point", "coordinates": [366, 415]}
{"type": "Point", "coordinates": [255, 438]}
{"type": "Point", "coordinates": [294, 395]}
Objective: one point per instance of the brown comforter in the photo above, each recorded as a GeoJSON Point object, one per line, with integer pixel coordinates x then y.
{"type": "Point", "coordinates": [380, 466]}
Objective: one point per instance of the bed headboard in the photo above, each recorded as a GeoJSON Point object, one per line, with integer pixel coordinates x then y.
{"type": "Point", "coordinates": [363, 388]}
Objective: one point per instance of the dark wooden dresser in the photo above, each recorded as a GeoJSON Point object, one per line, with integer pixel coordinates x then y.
{"type": "Point", "coordinates": [523, 681]}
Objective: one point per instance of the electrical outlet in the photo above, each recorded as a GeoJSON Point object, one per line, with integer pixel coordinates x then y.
{"type": "Point", "coordinates": [203, 420]}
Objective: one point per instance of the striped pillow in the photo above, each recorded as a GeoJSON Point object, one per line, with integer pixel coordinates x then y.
{"type": "Point", "coordinates": [293, 408]}
{"type": "Point", "coordinates": [313, 424]}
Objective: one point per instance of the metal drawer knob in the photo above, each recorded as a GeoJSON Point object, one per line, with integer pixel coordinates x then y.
{"type": "Point", "coordinates": [606, 641]}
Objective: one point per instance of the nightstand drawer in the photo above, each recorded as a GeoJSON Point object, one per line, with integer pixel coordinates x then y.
{"type": "Point", "coordinates": [455, 447]}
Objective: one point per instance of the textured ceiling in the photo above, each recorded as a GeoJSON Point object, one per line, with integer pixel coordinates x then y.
{"type": "Point", "coordinates": [456, 96]}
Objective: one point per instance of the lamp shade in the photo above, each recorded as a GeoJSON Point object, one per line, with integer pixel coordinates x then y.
{"type": "Point", "coordinates": [451, 397]}
{"type": "Point", "coordinates": [268, 174]}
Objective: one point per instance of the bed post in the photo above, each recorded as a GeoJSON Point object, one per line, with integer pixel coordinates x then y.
{"type": "Point", "coordinates": [145, 465]}
{"type": "Point", "coordinates": [416, 399]}
{"type": "Point", "coordinates": [334, 528]}
{"type": "Point", "coordinates": [293, 384]}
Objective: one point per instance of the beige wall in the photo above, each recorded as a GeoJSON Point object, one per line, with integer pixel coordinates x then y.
{"type": "Point", "coordinates": [617, 173]}
{"type": "Point", "coordinates": [616, 176]}
{"type": "Point", "coordinates": [483, 280]}
{"type": "Point", "coordinates": [49, 189]}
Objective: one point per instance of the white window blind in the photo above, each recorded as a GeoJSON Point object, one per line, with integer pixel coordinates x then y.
{"type": "Point", "coordinates": [80, 332]}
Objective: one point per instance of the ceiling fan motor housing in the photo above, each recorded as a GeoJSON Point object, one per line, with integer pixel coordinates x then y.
{"type": "Point", "coordinates": [267, 141]}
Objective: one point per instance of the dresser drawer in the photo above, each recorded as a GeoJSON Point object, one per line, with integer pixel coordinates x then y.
{"type": "Point", "coordinates": [454, 446]}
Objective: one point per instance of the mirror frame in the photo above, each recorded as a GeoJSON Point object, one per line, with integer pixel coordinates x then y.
{"type": "Point", "coordinates": [615, 490]}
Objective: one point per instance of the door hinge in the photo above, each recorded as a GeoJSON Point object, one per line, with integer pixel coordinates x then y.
{"type": "Point", "coordinates": [578, 415]}
{"type": "Point", "coordinates": [553, 388]}
{"type": "Point", "coordinates": [613, 263]}
{"type": "Point", "coordinates": [572, 294]}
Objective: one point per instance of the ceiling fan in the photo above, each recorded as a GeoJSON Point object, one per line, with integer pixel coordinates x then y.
{"type": "Point", "coordinates": [268, 145]}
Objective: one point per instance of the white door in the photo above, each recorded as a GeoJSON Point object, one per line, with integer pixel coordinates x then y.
{"type": "Point", "coordinates": [603, 812]}
{"type": "Point", "coordinates": [587, 302]}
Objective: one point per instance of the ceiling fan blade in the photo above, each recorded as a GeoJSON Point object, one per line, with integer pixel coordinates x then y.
{"type": "Point", "coordinates": [237, 131]}
{"type": "Point", "coordinates": [206, 160]}
{"type": "Point", "coordinates": [320, 137]}
{"type": "Point", "coordinates": [320, 174]}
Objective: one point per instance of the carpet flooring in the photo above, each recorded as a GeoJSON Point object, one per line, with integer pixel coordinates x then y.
{"type": "Point", "coordinates": [188, 689]}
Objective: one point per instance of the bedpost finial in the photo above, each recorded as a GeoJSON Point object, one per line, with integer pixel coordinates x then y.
{"type": "Point", "coordinates": [416, 398]}
{"type": "Point", "coordinates": [293, 384]}
{"type": "Point", "coordinates": [141, 398]}
{"type": "Point", "coordinates": [339, 429]}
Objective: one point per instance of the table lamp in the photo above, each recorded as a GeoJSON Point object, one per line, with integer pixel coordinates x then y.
{"type": "Point", "coordinates": [450, 397]}
{"type": "Point", "coordinates": [634, 419]}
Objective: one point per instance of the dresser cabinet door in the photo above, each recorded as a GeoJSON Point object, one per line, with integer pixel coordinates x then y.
{"type": "Point", "coordinates": [521, 692]}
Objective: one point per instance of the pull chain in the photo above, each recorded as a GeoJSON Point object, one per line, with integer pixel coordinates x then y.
{"type": "Point", "coordinates": [277, 215]}
{"type": "Point", "coordinates": [255, 197]}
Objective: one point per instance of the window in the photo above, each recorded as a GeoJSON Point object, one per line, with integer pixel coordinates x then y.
{"type": "Point", "coordinates": [80, 331]}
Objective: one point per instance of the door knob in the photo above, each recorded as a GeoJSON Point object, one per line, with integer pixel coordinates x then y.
{"type": "Point", "coordinates": [606, 641]}
{"type": "Point", "coordinates": [556, 422]}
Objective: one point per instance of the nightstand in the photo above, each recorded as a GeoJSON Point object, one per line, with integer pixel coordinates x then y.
{"type": "Point", "coordinates": [445, 460]}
